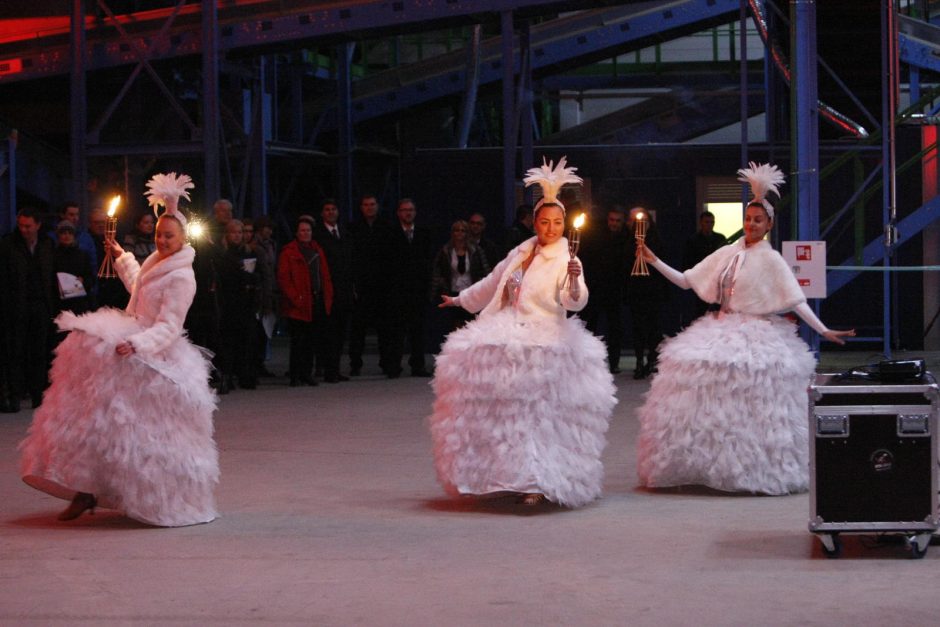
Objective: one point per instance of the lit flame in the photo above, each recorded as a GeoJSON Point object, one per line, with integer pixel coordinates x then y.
{"type": "Point", "coordinates": [579, 221]}
{"type": "Point", "coordinates": [113, 205]}
{"type": "Point", "coordinates": [640, 216]}
{"type": "Point", "coordinates": [195, 230]}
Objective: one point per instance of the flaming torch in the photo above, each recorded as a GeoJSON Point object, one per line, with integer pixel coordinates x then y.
{"type": "Point", "coordinates": [574, 243]}
{"type": "Point", "coordinates": [639, 265]}
{"type": "Point", "coordinates": [106, 271]}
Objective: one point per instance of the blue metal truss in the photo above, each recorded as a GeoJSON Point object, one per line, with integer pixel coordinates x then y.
{"type": "Point", "coordinates": [669, 118]}
{"type": "Point", "coordinates": [7, 184]}
{"type": "Point", "coordinates": [919, 43]}
{"type": "Point", "coordinates": [48, 57]}
{"type": "Point", "coordinates": [873, 253]}
{"type": "Point", "coordinates": [564, 42]}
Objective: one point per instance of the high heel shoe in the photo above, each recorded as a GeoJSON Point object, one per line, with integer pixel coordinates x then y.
{"type": "Point", "coordinates": [531, 499]}
{"type": "Point", "coordinates": [80, 502]}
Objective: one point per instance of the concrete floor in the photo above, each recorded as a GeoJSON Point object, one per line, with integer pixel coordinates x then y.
{"type": "Point", "coordinates": [332, 516]}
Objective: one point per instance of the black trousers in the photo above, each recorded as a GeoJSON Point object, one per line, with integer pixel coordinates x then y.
{"type": "Point", "coordinates": [612, 310]}
{"type": "Point", "coordinates": [645, 314]}
{"type": "Point", "coordinates": [369, 311]}
{"type": "Point", "coordinates": [29, 352]}
{"type": "Point", "coordinates": [332, 340]}
{"type": "Point", "coordinates": [408, 323]}
{"type": "Point", "coordinates": [238, 350]}
{"type": "Point", "coordinates": [302, 344]}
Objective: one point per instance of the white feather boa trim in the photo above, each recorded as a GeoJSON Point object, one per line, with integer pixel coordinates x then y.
{"type": "Point", "coordinates": [522, 407]}
{"type": "Point", "coordinates": [728, 408]}
{"type": "Point", "coordinates": [134, 431]}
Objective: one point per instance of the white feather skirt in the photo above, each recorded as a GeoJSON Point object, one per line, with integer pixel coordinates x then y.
{"type": "Point", "coordinates": [728, 408]}
{"type": "Point", "coordinates": [523, 408]}
{"type": "Point", "coordinates": [134, 431]}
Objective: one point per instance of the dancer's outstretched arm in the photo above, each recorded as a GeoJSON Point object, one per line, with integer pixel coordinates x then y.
{"type": "Point", "coordinates": [674, 276]}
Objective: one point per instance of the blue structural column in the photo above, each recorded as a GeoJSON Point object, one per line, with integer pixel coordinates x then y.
{"type": "Point", "coordinates": [468, 106]}
{"type": "Point", "coordinates": [804, 97]}
{"type": "Point", "coordinates": [7, 184]}
{"type": "Point", "coordinates": [344, 53]}
{"type": "Point", "coordinates": [210, 100]}
{"type": "Point", "coordinates": [889, 102]}
{"type": "Point", "coordinates": [742, 16]}
{"type": "Point", "coordinates": [526, 129]}
{"type": "Point", "coordinates": [78, 113]}
{"type": "Point", "coordinates": [509, 136]}
{"type": "Point", "coordinates": [260, 137]}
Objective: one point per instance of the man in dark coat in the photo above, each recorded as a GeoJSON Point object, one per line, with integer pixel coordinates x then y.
{"type": "Point", "coordinates": [521, 229]}
{"type": "Point", "coordinates": [338, 247]}
{"type": "Point", "coordinates": [604, 255]}
{"type": "Point", "coordinates": [29, 297]}
{"type": "Point", "coordinates": [372, 259]}
{"type": "Point", "coordinates": [492, 255]}
{"type": "Point", "coordinates": [107, 291]}
{"type": "Point", "coordinates": [702, 244]}
{"type": "Point", "coordinates": [410, 281]}
{"type": "Point", "coordinates": [646, 296]}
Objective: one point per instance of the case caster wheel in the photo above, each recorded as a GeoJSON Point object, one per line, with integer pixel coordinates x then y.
{"type": "Point", "coordinates": [831, 545]}
{"type": "Point", "coordinates": [919, 544]}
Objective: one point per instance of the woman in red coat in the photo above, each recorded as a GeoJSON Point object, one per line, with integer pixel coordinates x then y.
{"type": "Point", "coordinates": [303, 277]}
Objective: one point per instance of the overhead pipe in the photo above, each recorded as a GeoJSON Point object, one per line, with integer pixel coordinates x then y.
{"type": "Point", "coordinates": [829, 114]}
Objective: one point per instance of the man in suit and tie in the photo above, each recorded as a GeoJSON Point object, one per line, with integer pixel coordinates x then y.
{"type": "Point", "coordinates": [411, 277]}
{"type": "Point", "coordinates": [338, 247]}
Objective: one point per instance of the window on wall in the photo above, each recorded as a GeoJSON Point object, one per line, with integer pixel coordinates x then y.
{"type": "Point", "coordinates": [728, 217]}
{"type": "Point", "coordinates": [722, 196]}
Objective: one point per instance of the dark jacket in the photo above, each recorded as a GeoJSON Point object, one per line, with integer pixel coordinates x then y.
{"type": "Point", "coordinates": [372, 256]}
{"type": "Point", "coordinates": [339, 256]}
{"type": "Point", "coordinates": [411, 262]}
{"type": "Point", "coordinates": [73, 260]}
{"type": "Point", "coordinates": [26, 276]}
{"type": "Point", "coordinates": [604, 256]}
{"type": "Point", "coordinates": [441, 272]}
{"type": "Point", "coordinates": [239, 293]}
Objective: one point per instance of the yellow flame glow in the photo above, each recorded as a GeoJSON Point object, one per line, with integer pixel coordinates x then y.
{"type": "Point", "coordinates": [195, 230]}
{"type": "Point", "coordinates": [640, 216]}
{"type": "Point", "coordinates": [579, 221]}
{"type": "Point", "coordinates": [113, 205]}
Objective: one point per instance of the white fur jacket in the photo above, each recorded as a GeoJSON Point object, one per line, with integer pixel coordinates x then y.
{"type": "Point", "coordinates": [161, 292]}
{"type": "Point", "coordinates": [763, 282]}
{"type": "Point", "coordinates": [543, 293]}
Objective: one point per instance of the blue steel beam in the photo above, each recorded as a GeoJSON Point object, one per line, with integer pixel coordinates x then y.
{"type": "Point", "coordinates": [211, 134]}
{"type": "Point", "coordinates": [7, 184]}
{"type": "Point", "coordinates": [78, 121]}
{"type": "Point", "coordinates": [919, 43]}
{"type": "Point", "coordinates": [568, 41]}
{"type": "Point", "coordinates": [690, 115]}
{"type": "Point", "coordinates": [874, 251]}
{"type": "Point", "coordinates": [262, 28]}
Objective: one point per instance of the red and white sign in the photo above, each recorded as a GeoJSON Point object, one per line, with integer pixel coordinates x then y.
{"type": "Point", "coordinates": [808, 262]}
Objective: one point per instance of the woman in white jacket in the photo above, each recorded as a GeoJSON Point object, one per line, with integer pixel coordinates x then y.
{"type": "Point", "coordinates": [127, 421]}
{"type": "Point", "coordinates": [728, 407]}
{"type": "Point", "coordinates": [523, 394]}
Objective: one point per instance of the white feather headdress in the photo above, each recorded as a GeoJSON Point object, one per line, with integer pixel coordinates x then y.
{"type": "Point", "coordinates": [763, 178]}
{"type": "Point", "coordinates": [551, 179]}
{"type": "Point", "coordinates": [166, 189]}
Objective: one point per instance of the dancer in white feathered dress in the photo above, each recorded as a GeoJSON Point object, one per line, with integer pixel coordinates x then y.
{"type": "Point", "coordinates": [524, 395]}
{"type": "Point", "coordinates": [728, 407]}
{"type": "Point", "coordinates": [127, 421]}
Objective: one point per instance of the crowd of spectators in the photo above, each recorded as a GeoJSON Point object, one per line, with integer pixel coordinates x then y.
{"type": "Point", "coordinates": [327, 287]}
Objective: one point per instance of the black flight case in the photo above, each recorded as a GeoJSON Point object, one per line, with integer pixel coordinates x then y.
{"type": "Point", "coordinates": [873, 459]}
